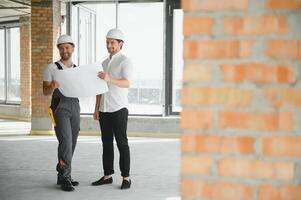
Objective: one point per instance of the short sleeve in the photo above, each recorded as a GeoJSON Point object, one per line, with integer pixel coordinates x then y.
{"type": "Point", "coordinates": [127, 69]}
{"type": "Point", "coordinates": [47, 76]}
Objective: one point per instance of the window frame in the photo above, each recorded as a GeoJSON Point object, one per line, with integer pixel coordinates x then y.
{"type": "Point", "coordinates": [170, 6]}
{"type": "Point", "coordinates": [6, 26]}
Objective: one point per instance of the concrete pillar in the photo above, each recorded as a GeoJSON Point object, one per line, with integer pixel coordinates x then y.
{"type": "Point", "coordinates": [45, 29]}
{"type": "Point", "coordinates": [25, 60]}
{"type": "Point", "coordinates": [241, 100]}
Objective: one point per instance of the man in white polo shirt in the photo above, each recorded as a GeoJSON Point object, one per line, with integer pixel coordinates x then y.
{"type": "Point", "coordinates": [111, 109]}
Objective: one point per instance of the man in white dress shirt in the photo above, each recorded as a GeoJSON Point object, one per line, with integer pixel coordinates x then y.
{"type": "Point", "coordinates": [111, 109]}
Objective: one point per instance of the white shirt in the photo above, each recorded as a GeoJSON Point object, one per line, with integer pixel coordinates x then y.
{"type": "Point", "coordinates": [50, 69]}
{"type": "Point", "coordinates": [118, 67]}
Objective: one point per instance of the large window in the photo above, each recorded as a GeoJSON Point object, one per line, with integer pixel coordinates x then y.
{"type": "Point", "coordinates": [178, 61]}
{"type": "Point", "coordinates": [143, 24]}
{"type": "Point", "coordinates": [10, 65]}
{"type": "Point", "coordinates": [144, 45]}
{"type": "Point", "coordinates": [13, 75]}
{"type": "Point", "coordinates": [2, 66]}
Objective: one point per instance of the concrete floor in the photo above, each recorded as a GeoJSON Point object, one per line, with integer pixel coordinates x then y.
{"type": "Point", "coordinates": [27, 169]}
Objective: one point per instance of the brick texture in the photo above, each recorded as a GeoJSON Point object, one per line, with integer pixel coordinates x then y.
{"type": "Point", "coordinates": [217, 49]}
{"type": "Point", "coordinates": [197, 25]}
{"type": "Point", "coordinates": [256, 121]}
{"type": "Point", "coordinates": [281, 146]}
{"type": "Point", "coordinates": [25, 61]}
{"type": "Point", "coordinates": [218, 144]}
{"type": "Point", "coordinates": [257, 73]}
{"type": "Point", "coordinates": [196, 165]}
{"type": "Point", "coordinates": [227, 97]}
{"type": "Point", "coordinates": [197, 72]}
{"type": "Point", "coordinates": [197, 120]}
{"type": "Point", "coordinates": [241, 100]}
{"type": "Point", "coordinates": [227, 191]}
{"type": "Point", "coordinates": [255, 169]}
{"type": "Point", "coordinates": [283, 5]}
{"type": "Point", "coordinates": [255, 25]}
{"type": "Point", "coordinates": [282, 98]}
{"type": "Point", "coordinates": [284, 49]}
{"type": "Point", "coordinates": [45, 23]}
{"type": "Point", "coordinates": [283, 192]}
{"type": "Point", "coordinates": [215, 190]}
{"type": "Point", "coordinates": [215, 5]}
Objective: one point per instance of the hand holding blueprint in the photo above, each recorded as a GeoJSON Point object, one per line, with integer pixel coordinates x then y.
{"type": "Point", "coordinates": [81, 81]}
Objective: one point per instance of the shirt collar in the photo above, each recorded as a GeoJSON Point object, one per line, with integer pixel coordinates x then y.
{"type": "Point", "coordinates": [115, 55]}
{"type": "Point", "coordinates": [62, 64]}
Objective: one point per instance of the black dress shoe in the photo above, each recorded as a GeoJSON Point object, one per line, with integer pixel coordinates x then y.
{"type": "Point", "coordinates": [66, 185]}
{"type": "Point", "coordinates": [60, 179]}
{"type": "Point", "coordinates": [126, 184]}
{"type": "Point", "coordinates": [103, 181]}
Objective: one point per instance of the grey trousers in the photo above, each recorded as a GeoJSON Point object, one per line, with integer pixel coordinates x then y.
{"type": "Point", "coordinates": [67, 119]}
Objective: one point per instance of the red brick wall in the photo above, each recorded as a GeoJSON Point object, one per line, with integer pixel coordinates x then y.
{"type": "Point", "coordinates": [241, 128]}
{"type": "Point", "coordinates": [25, 57]}
{"type": "Point", "coordinates": [45, 27]}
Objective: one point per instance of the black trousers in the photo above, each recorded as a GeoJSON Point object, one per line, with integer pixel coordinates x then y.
{"type": "Point", "coordinates": [115, 124]}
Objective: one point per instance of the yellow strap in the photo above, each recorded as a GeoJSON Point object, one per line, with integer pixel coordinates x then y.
{"type": "Point", "coordinates": [52, 117]}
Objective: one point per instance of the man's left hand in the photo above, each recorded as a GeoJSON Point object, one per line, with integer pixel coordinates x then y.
{"type": "Point", "coordinates": [104, 76]}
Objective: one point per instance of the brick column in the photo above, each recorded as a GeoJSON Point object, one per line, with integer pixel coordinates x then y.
{"type": "Point", "coordinates": [25, 47]}
{"type": "Point", "coordinates": [45, 27]}
{"type": "Point", "coordinates": [241, 100]}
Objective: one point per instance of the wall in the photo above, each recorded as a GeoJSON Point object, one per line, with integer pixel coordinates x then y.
{"type": "Point", "coordinates": [45, 29]}
{"type": "Point", "coordinates": [142, 126]}
{"type": "Point", "coordinates": [241, 130]}
{"type": "Point", "coordinates": [25, 48]}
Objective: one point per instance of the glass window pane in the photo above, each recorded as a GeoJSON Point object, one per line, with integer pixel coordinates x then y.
{"type": "Point", "coordinates": [178, 61]}
{"type": "Point", "coordinates": [74, 32]}
{"type": "Point", "coordinates": [105, 18]}
{"type": "Point", "coordinates": [85, 35]}
{"type": "Point", "coordinates": [2, 65]}
{"type": "Point", "coordinates": [13, 93]}
{"type": "Point", "coordinates": [142, 24]}
{"type": "Point", "coordinates": [63, 21]}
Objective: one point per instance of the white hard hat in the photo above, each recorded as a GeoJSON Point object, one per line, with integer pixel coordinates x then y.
{"type": "Point", "coordinates": [64, 39]}
{"type": "Point", "coordinates": [115, 34]}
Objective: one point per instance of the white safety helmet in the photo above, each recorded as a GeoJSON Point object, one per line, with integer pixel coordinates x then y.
{"type": "Point", "coordinates": [64, 39]}
{"type": "Point", "coordinates": [115, 34]}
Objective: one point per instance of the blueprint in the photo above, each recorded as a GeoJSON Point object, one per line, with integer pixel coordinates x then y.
{"type": "Point", "coordinates": [81, 81]}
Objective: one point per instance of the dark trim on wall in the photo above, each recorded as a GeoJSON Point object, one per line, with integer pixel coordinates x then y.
{"type": "Point", "coordinates": [170, 5]}
{"type": "Point", "coordinates": [74, 2]}
{"type": "Point", "coordinates": [10, 24]}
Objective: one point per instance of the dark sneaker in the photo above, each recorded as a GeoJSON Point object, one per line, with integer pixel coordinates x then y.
{"type": "Point", "coordinates": [66, 185]}
{"type": "Point", "coordinates": [74, 183]}
{"type": "Point", "coordinates": [103, 181]}
{"type": "Point", "coordinates": [126, 184]}
{"type": "Point", "coordinates": [60, 179]}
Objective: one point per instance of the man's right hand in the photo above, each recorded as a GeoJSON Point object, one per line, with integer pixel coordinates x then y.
{"type": "Point", "coordinates": [96, 115]}
{"type": "Point", "coordinates": [49, 86]}
{"type": "Point", "coordinates": [54, 84]}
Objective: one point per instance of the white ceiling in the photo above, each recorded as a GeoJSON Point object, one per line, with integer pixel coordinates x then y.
{"type": "Point", "coordinates": [12, 9]}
